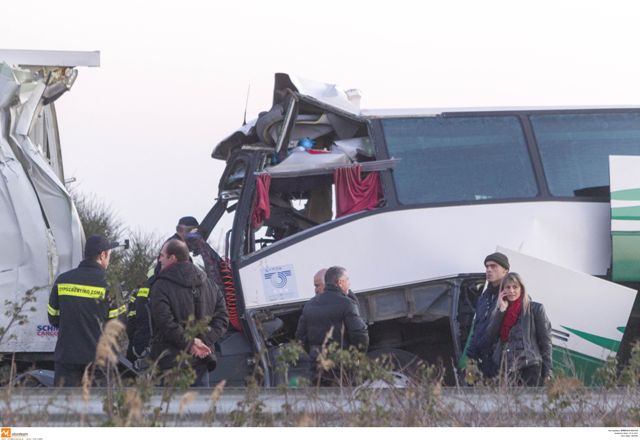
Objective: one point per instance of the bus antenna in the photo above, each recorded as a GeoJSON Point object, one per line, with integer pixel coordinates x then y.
{"type": "Point", "coordinates": [246, 104]}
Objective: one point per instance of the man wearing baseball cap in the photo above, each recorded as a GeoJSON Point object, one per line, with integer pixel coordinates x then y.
{"type": "Point", "coordinates": [496, 268]}
{"type": "Point", "coordinates": [78, 305]}
{"type": "Point", "coordinates": [185, 225]}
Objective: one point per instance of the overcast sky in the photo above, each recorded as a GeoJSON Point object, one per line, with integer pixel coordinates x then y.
{"type": "Point", "coordinates": [138, 131]}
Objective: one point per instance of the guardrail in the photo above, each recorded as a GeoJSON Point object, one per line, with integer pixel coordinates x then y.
{"type": "Point", "coordinates": [326, 406]}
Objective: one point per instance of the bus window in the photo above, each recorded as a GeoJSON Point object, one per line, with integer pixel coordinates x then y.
{"type": "Point", "coordinates": [575, 149]}
{"type": "Point", "coordinates": [459, 159]}
{"type": "Point", "coordinates": [296, 204]}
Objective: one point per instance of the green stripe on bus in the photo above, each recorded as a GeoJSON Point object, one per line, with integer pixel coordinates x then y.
{"type": "Point", "coordinates": [626, 213]}
{"type": "Point", "coordinates": [575, 364]}
{"type": "Point", "coordinates": [600, 341]}
{"type": "Point", "coordinates": [626, 194]}
{"type": "Point", "coordinates": [626, 256]}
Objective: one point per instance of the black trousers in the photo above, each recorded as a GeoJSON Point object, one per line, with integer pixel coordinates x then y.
{"type": "Point", "coordinates": [530, 375]}
{"type": "Point", "coordinates": [202, 375]}
{"type": "Point", "coordinates": [68, 375]}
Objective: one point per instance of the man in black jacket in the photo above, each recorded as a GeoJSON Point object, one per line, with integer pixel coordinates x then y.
{"type": "Point", "coordinates": [182, 290]}
{"type": "Point", "coordinates": [481, 346]}
{"type": "Point", "coordinates": [185, 226]}
{"type": "Point", "coordinates": [332, 310]}
{"type": "Point", "coordinates": [78, 305]}
{"type": "Point", "coordinates": [139, 325]}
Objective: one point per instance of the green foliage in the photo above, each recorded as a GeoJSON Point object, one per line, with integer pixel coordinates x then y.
{"type": "Point", "coordinates": [630, 375]}
{"type": "Point", "coordinates": [127, 269]}
{"type": "Point", "coordinates": [15, 311]}
{"type": "Point", "coordinates": [96, 217]}
{"type": "Point", "coordinates": [565, 395]}
{"type": "Point", "coordinates": [288, 357]}
{"type": "Point", "coordinates": [250, 410]}
{"type": "Point", "coordinates": [607, 374]}
{"type": "Point", "coordinates": [182, 375]}
{"type": "Point", "coordinates": [138, 259]}
{"type": "Point", "coordinates": [472, 373]}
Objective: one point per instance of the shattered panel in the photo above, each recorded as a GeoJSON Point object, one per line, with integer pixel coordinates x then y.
{"type": "Point", "coordinates": [41, 233]}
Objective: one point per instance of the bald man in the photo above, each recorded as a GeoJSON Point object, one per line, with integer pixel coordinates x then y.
{"type": "Point", "coordinates": [318, 281]}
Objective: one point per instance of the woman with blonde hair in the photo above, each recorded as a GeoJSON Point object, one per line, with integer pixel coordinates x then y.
{"type": "Point", "coordinates": [523, 334]}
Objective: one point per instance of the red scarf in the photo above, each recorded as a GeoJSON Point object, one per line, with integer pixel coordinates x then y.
{"type": "Point", "coordinates": [510, 318]}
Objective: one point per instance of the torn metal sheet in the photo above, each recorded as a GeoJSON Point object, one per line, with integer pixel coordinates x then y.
{"type": "Point", "coordinates": [300, 161]}
{"type": "Point", "coordinates": [267, 127]}
{"type": "Point", "coordinates": [330, 94]}
{"type": "Point", "coordinates": [54, 58]}
{"type": "Point", "coordinates": [353, 147]}
{"type": "Point", "coordinates": [589, 332]}
{"type": "Point", "coordinates": [40, 230]}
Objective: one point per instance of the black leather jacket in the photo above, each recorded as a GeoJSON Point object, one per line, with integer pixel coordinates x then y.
{"type": "Point", "coordinates": [480, 347]}
{"type": "Point", "coordinates": [332, 309]}
{"type": "Point", "coordinates": [529, 341]}
{"type": "Point", "coordinates": [181, 291]}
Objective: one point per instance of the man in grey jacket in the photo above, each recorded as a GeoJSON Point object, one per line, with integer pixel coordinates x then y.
{"type": "Point", "coordinates": [332, 310]}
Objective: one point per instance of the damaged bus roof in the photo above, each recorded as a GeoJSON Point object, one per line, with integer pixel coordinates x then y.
{"type": "Point", "coordinates": [346, 103]}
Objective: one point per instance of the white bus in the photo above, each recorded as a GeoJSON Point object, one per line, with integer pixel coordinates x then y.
{"type": "Point", "coordinates": [449, 187]}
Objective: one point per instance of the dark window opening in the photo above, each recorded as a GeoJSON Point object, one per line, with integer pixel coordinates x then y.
{"type": "Point", "coordinates": [301, 188]}
{"type": "Point", "coordinates": [459, 159]}
{"type": "Point", "coordinates": [575, 149]}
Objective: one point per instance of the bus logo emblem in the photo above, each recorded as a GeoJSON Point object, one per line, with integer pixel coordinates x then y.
{"type": "Point", "coordinates": [279, 283]}
{"type": "Point", "coordinates": [278, 279]}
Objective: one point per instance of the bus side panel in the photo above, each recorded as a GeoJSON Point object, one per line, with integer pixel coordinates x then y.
{"type": "Point", "coordinates": [407, 246]}
{"type": "Point", "coordinates": [588, 314]}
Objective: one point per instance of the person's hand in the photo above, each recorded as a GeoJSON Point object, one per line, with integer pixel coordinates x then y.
{"type": "Point", "coordinates": [502, 300]}
{"type": "Point", "coordinates": [199, 349]}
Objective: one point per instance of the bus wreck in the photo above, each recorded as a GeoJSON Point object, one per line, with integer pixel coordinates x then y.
{"type": "Point", "coordinates": [40, 234]}
{"type": "Point", "coordinates": [410, 202]}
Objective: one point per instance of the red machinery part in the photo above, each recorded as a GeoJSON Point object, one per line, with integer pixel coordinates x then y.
{"type": "Point", "coordinates": [230, 293]}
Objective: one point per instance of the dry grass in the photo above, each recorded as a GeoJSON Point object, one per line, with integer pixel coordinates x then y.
{"type": "Point", "coordinates": [108, 345]}
{"type": "Point", "coordinates": [368, 394]}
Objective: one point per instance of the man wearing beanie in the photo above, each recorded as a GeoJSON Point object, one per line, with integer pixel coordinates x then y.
{"type": "Point", "coordinates": [496, 268]}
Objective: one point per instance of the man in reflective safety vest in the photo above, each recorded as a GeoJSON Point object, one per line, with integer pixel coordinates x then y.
{"type": "Point", "coordinates": [78, 306]}
{"type": "Point", "coordinates": [139, 325]}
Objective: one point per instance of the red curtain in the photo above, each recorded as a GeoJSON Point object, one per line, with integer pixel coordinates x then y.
{"type": "Point", "coordinates": [261, 210]}
{"type": "Point", "coordinates": [354, 194]}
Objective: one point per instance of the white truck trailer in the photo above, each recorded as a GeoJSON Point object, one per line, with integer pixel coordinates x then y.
{"type": "Point", "coordinates": [40, 232]}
